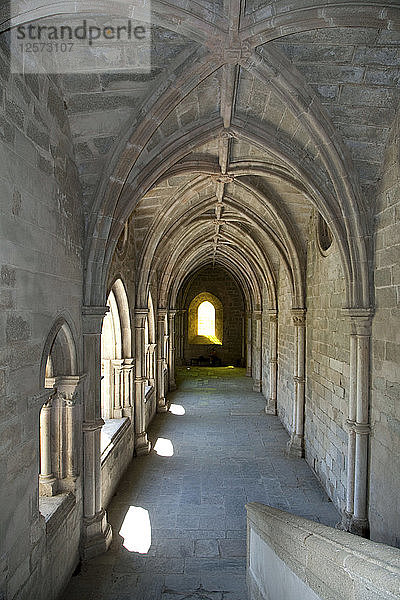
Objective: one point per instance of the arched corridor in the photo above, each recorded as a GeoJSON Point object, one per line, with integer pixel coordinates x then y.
{"type": "Point", "coordinates": [215, 450]}
{"type": "Point", "coordinates": [188, 186]}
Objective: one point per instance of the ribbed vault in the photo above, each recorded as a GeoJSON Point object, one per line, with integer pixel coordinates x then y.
{"type": "Point", "coordinates": [238, 90]}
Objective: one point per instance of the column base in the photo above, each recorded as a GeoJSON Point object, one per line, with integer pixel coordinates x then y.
{"type": "Point", "coordinates": [47, 485]}
{"type": "Point", "coordinates": [142, 444]}
{"type": "Point", "coordinates": [248, 372]}
{"type": "Point", "coordinates": [162, 405]}
{"type": "Point", "coordinates": [172, 386]}
{"type": "Point", "coordinates": [270, 407]}
{"type": "Point", "coordinates": [97, 535]}
{"type": "Point", "coordinates": [257, 386]}
{"type": "Point", "coordinates": [359, 527]}
{"type": "Point", "coordinates": [344, 524]}
{"type": "Point", "coordinates": [295, 446]}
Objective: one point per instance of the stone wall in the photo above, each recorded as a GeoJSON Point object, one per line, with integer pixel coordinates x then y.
{"type": "Point", "coordinates": [286, 349]}
{"type": "Point", "coordinates": [218, 282]}
{"type": "Point", "coordinates": [327, 381]}
{"type": "Point", "coordinates": [41, 228]}
{"type": "Point", "coordinates": [385, 379]}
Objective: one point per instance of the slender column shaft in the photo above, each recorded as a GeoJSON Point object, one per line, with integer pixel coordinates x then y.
{"type": "Point", "coordinates": [271, 407]}
{"type": "Point", "coordinates": [362, 430]}
{"type": "Point", "coordinates": [116, 409]}
{"type": "Point", "coordinates": [350, 422]}
{"type": "Point", "coordinates": [45, 442]}
{"type": "Point", "coordinates": [142, 445]}
{"type": "Point", "coordinates": [126, 387]}
{"type": "Point", "coordinates": [161, 362]}
{"type": "Point", "coordinates": [71, 442]}
{"type": "Point", "coordinates": [68, 388]}
{"type": "Point", "coordinates": [355, 518]}
{"type": "Point", "coordinates": [296, 443]}
{"type": "Point", "coordinates": [300, 382]}
{"type": "Point", "coordinates": [171, 318]}
{"type": "Point", "coordinates": [257, 323]}
{"type": "Point", "coordinates": [249, 337]}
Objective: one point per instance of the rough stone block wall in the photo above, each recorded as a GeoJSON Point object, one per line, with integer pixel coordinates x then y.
{"type": "Point", "coordinates": [285, 387]}
{"type": "Point", "coordinates": [40, 278]}
{"type": "Point", "coordinates": [385, 394]}
{"type": "Point", "coordinates": [218, 282]}
{"type": "Point", "coordinates": [327, 381]}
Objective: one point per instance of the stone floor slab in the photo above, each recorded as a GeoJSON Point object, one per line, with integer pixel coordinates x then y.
{"type": "Point", "coordinates": [227, 452]}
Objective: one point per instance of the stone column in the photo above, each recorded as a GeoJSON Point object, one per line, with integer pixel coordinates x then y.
{"type": "Point", "coordinates": [256, 358]}
{"type": "Point", "coordinates": [96, 530]}
{"type": "Point", "coordinates": [249, 337]}
{"type": "Point", "coordinates": [152, 363]}
{"type": "Point", "coordinates": [161, 360]}
{"type": "Point", "coordinates": [295, 446]}
{"type": "Point", "coordinates": [116, 409]}
{"type": "Point", "coordinates": [351, 445]}
{"type": "Point", "coordinates": [171, 319]}
{"type": "Point", "coordinates": [126, 387]}
{"type": "Point", "coordinates": [271, 406]}
{"type": "Point", "coordinates": [179, 338]}
{"type": "Point", "coordinates": [244, 342]}
{"type": "Point", "coordinates": [68, 390]}
{"type": "Point", "coordinates": [47, 481]}
{"type": "Point", "coordinates": [142, 444]}
{"type": "Point", "coordinates": [356, 514]}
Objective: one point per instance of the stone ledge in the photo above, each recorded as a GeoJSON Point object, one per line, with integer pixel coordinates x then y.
{"type": "Point", "coordinates": [55, 509]}
{"type": "Point", "coordinates": [111, 433]}
{"type": "Point", "coordinates": [148, 392]}
{"type": "Point", "coordinates": [330, 562]}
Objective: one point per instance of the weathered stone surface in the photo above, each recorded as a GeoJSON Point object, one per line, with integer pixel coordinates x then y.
{"type": "Point", "coordinates": [220, 158]}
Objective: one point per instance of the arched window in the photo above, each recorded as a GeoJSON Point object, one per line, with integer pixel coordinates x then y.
{"type": "Point", "coordinates": [116, 363]}
{"type": "Point", "coordinates": [150, 339]}
{"type": "Point", "coordinates": [206, 319]}
{"type": "Point", "coordinates": [111, 348]}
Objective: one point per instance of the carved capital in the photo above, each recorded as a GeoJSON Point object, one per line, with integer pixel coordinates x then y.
{"type": "Point", "coordinates": [140, 317]}
{"type": "Point", "coordinates": [299, 317]}
{"type": "Point", "coordinates": [273, 315]}
{"type": "Point", "coordinates": [92, 319]}
{"type": "Point", "coordinates": [361, 319]}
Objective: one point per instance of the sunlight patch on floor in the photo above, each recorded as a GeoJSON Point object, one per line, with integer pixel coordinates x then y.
{"type": "Point", "coordinates": [136, 530]}
{"type": "Point", "coordinates": [177, 409]}
{"type": "Point", "coordinates": [164, 447]}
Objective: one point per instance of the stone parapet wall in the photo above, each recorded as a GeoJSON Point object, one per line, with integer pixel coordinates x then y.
{"type": "Point", "coordinates": [308, 560]}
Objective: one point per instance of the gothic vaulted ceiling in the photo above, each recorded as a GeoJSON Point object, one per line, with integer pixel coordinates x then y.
{"type": "Point", "coordinates": [253, 114]}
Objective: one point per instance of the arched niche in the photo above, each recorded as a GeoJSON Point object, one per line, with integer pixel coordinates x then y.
{"type": "Point", "coordinates": [58, 465]}
{"type": "Point", "coordinates": [59, 356]}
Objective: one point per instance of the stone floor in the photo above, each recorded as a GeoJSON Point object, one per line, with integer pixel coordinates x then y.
{"type": "Point", "coordinates": [222, 452]}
